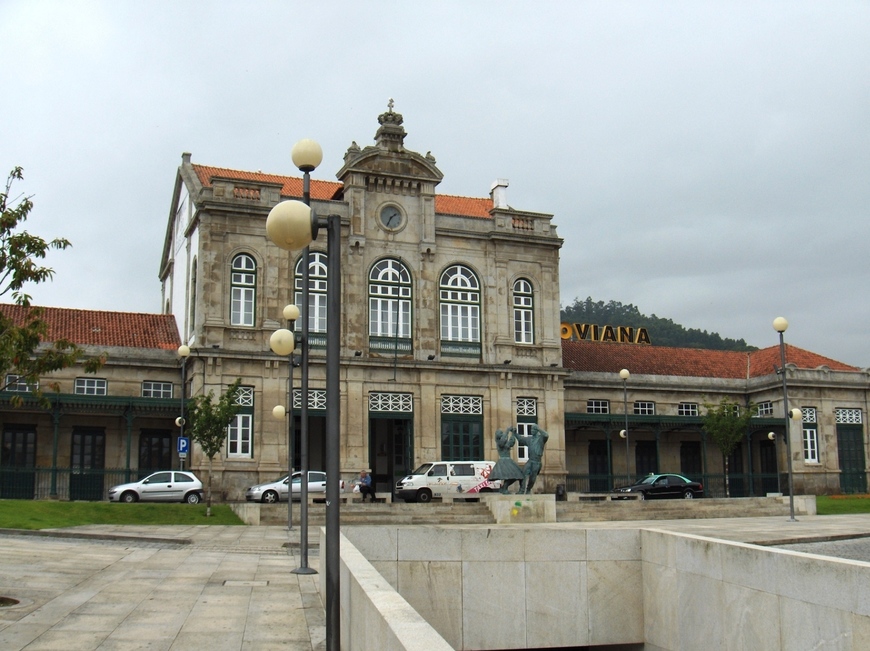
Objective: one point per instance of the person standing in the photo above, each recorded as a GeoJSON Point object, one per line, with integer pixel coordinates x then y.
{"type": "Point", "coordinates": [365, 486]}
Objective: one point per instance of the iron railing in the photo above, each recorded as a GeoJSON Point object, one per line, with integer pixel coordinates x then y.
{"type": "Point", "coordinates": [63, 483]}
{"type": "Point", "coordinates": [741, 485]}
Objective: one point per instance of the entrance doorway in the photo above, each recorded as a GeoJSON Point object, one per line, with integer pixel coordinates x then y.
{"type": "Point", "coordinates": [768, 466]}
{"type": "Point", "coordinates": [391, 452]}
{"type": "Point", "coordinates": [18, 462]}
{"type": "Point", "coordinates": [690, 460]}
{"type": "Point", "coordinates": [155, 451]}
{"type": "Point", "coordinates": [599, 467]}
{"type": "Point", "coordinates": [853, 468]}
{"type": "Point", "coordinates": [645, 458]}
{"type": "Point", "coordinates": [88, 460]}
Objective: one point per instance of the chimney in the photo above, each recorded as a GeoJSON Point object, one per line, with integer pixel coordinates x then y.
{"type": "Point", "coordinates": [498, 192]}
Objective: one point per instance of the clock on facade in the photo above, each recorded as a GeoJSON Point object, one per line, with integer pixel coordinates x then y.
{"type": "Point", "coordinates": [391, 217]}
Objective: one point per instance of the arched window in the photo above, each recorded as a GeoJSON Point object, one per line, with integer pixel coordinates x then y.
{"type": "Point", "coordinates": [460, 306]}
{"type": "Point", "coordinates": [244, 288]}
{"type": "Point", "coordinates": [524, 312]}
{"type": "Point", "coordinates": [317, 281]}
{"type": "Point", "coordinates": [390, 300]}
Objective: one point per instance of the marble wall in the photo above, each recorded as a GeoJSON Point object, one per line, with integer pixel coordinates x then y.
{"type": "Point", "coordinates": [538, 586]}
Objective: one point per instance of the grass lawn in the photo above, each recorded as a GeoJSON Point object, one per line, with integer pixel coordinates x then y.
{"type": "Point", "coordinates": [842, 504]}
{"type": "Point", "coordinates": [47, 514]}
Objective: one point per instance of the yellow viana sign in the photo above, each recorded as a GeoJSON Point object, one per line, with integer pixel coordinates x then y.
{"type": "Point", "coordinates": [617, 334]}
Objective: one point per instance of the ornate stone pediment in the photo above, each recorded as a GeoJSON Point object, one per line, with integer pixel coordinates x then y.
{"type": "Point", "coordinates": [388, 158]}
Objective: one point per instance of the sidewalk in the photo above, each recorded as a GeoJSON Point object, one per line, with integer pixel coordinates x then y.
{"type": "Point", "coordinates": [228, 587]}
{"type": "Point", "coordinates": [159, 588]}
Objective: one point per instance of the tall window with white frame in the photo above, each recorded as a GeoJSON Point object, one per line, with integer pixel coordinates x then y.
{"type": "Point", "coordinates": [317, 283]}
{"type": "Point", "coordinates": [527, 415]}
{"type": "Point", "coordinates": [243, 290]}
{"type": "Point", "coordinates": [240, 432]}
{"type": "Point", "coordinates": [810, 434]}
{"type": "Point", "coordinates": [390, 306]}
{"type": "Point", "coordinates": [524, 312]}
{"type": "Point", "coordinates": [460, 311]}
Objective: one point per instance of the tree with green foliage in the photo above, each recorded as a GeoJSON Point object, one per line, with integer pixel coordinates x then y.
{"type": "Point", "coordinates": [727, 424]}
{"type": "Point", "coordinates": [208, 422]}
{"type": "Point", "coordinates": [662, 332]}
{"type": "Point", "coordinates": [25, 356]}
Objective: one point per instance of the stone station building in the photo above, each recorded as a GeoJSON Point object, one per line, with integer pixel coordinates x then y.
{"type": "Point", "coordinates": [449, 330]}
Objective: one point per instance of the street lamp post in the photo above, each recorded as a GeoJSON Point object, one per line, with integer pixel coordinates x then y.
{"type": "Point", "coordinates": [624, 374]}
{"type": "Point", "coordinates": [772, 437]}
{"type": "Point", "coordinates": [292, 225]}
{"type": "Point", "coordinates": [183, 353]}
{"type": "Point", "coordinates": [283, 342]}
{"type": "Point", "coordinates": [781, 325]}
{"type": "Point", "coordinates": [306, 155]}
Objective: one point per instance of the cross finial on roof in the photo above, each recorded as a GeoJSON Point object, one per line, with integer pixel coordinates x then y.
{"type": "Point", "coordinates": [390, 105]}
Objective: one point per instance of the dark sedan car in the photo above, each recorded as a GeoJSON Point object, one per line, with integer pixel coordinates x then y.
{"type": "Point", "coordinates": [666, 486]}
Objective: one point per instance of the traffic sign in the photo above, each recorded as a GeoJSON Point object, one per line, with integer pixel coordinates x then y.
{"type": "Point", "coordinates": [183, 445]}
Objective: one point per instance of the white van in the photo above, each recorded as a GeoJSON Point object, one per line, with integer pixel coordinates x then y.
{"type": "Point", "coordinates": [436, 478]}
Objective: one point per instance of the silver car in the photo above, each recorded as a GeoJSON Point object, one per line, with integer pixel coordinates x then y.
{"type": "Point", "coordinates": [163, 486]}
{"type": "Point", "coordinates": [276, 491]}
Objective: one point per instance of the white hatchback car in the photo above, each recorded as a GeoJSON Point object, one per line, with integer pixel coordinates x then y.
{"type": "Point", "coordinates": [163, 486]}
{"type": "Point", "coordinates": [276, 491]}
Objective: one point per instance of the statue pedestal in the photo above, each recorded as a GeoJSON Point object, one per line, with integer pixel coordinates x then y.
{"type": "Point", "coordinates": [522, 509]}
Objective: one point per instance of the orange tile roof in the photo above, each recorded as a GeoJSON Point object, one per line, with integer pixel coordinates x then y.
{"type": "Point", "coordinates": [291, 186]}
{"type": "Point", "coordinates": [99, 328]}
{"type": "Point", "coordinates": [609, 357]}
{"type": "Point", "coordinates": [446, 204]}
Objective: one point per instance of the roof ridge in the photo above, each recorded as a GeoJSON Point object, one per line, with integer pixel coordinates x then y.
{"type": "Point", "coordinates": [103, 328]}
{"type": "Point", "coordinates": [609, 357]}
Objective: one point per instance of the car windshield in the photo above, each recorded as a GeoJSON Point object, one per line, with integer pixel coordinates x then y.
{"type": "Point", "coordinates": [647, 480]}
{"type": "Point", "coordinates": [422, 470]}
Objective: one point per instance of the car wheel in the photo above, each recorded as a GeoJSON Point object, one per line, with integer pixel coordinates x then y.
{"type": "Point", "coordinates": [424, 495]}
{"type": "Point", "coordinates": [642, 495]}
{"type": "Point", "coordinates": [192, 498]}
{"type": "Point", "coordinates": [129, 497]}
{"type": "Point", "coordinates": [270, 497]}
{"type": "Point", "coordinates": [688, 495]}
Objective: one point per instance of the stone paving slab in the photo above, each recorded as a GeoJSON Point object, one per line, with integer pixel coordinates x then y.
{"type": "Point", "coordinates": [223, 587]}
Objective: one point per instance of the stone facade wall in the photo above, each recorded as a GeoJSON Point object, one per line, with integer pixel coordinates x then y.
{"type": "Point", "coordinates": [499, 248]}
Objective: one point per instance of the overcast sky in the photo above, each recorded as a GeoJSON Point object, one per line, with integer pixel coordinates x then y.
{"type": "Point", "coordinates": [708, 162]}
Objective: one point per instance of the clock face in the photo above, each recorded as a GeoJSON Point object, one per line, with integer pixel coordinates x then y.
{"type": "Point", "coordinates": [391, 217]}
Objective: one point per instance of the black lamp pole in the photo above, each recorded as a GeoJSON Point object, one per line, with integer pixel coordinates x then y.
{"type": "Point", "coordinates": [624, 374]}
{"type": "Point", "coordinates": [780, 325]}
{"type": "Point", "coordinates": [292, 225]}
{"type": "Point", "coordinates": [304, 568]}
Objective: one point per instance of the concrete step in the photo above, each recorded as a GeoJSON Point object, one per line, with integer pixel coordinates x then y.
{"type": "Point", "coordinates": [669, 509]}
{"type": "Point", "coordinates": [377, 513]}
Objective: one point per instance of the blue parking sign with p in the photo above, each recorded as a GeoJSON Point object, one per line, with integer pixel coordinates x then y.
{"type": "Point", "coordinates": [183, 445]}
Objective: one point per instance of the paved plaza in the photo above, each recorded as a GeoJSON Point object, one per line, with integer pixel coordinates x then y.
{"type": "Point", "coordinates": [232, 587]}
